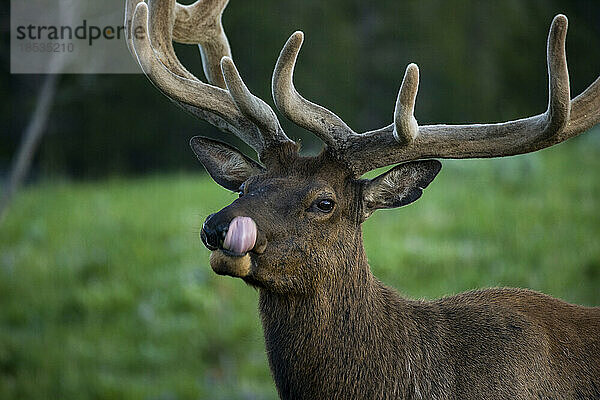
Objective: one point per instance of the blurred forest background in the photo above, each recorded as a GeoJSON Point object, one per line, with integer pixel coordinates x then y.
{"type": "Point", "coordinates": [480, 61]}
{"type": "Point", "coordinates": [105, 289]}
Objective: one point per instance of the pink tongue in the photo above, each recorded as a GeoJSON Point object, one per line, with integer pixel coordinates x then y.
{"type": "Point", "coordinates": [241, 235]}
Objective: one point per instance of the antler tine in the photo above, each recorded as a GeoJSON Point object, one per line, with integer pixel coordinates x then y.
{"type": "Point", "coordinates": [150, 34]}
{"type": "Point", "coordinates": [204, 101]}
{"type": "Point", "coordinates": [319, 120]}
{"type": "Point", "coordinates": [405, 140]}
{"type": "Point", "coordinates": [200, 23]}
{"type": "Point", "coordinates": [406, 127]}
{"type": "Point", "coordinates": [162, 18]}
{"type": "Point", "coordinates": [256, 110]}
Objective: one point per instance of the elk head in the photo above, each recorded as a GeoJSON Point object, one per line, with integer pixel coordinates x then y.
{"type": "Point", "coordinates": [297, 217]}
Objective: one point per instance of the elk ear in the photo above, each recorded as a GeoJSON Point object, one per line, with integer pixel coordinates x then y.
{"type": "Point", "coordinates": [399, 186]}
{"type": "Point", "coordinates": [225, 164]}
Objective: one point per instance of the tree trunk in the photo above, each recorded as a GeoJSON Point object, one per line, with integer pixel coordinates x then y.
{"type": "Point", "coordinates": [29, 144]}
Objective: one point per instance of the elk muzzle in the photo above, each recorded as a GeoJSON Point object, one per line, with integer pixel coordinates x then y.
{"type": "Point", "coordinates": [230, 243]}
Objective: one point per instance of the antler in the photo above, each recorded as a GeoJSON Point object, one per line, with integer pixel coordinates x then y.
{"type": "Point", "coordinates": [225, 101]}
{"type": "Point", "coordinates": [405, 140]}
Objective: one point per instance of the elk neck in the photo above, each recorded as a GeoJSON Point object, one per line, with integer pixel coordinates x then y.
{"type": "Point", "coordinates": [311, 338]}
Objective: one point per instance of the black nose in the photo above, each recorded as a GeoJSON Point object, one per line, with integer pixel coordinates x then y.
{"type": "Point", "coordinates": [213, 232]}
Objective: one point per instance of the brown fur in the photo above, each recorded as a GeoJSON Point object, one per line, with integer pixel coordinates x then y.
{"type": "Point", "coordinates": [332, 330]}
{"type": "Point", "coordinates": [225, 265]}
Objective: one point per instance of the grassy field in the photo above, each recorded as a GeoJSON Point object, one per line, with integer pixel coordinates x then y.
{"type": "Point", "coordinates": [106, 291]}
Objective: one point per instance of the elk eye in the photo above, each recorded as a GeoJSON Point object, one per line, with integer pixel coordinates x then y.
{"type": "Point", "coordinates": [325, 205]}
{"type": "Point", "coordinates": [241, 190]}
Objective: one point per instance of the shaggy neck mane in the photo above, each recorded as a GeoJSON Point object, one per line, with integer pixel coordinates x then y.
{"type": "Point", "coordinates": [303, 334]}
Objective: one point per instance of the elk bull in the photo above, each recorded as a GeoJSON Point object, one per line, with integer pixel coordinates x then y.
{"type": "Point", "coordinates": [332, 330]}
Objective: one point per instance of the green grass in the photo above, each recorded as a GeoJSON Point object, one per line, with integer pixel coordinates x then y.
{"type": "Point", "coordinates": [106, 291]}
